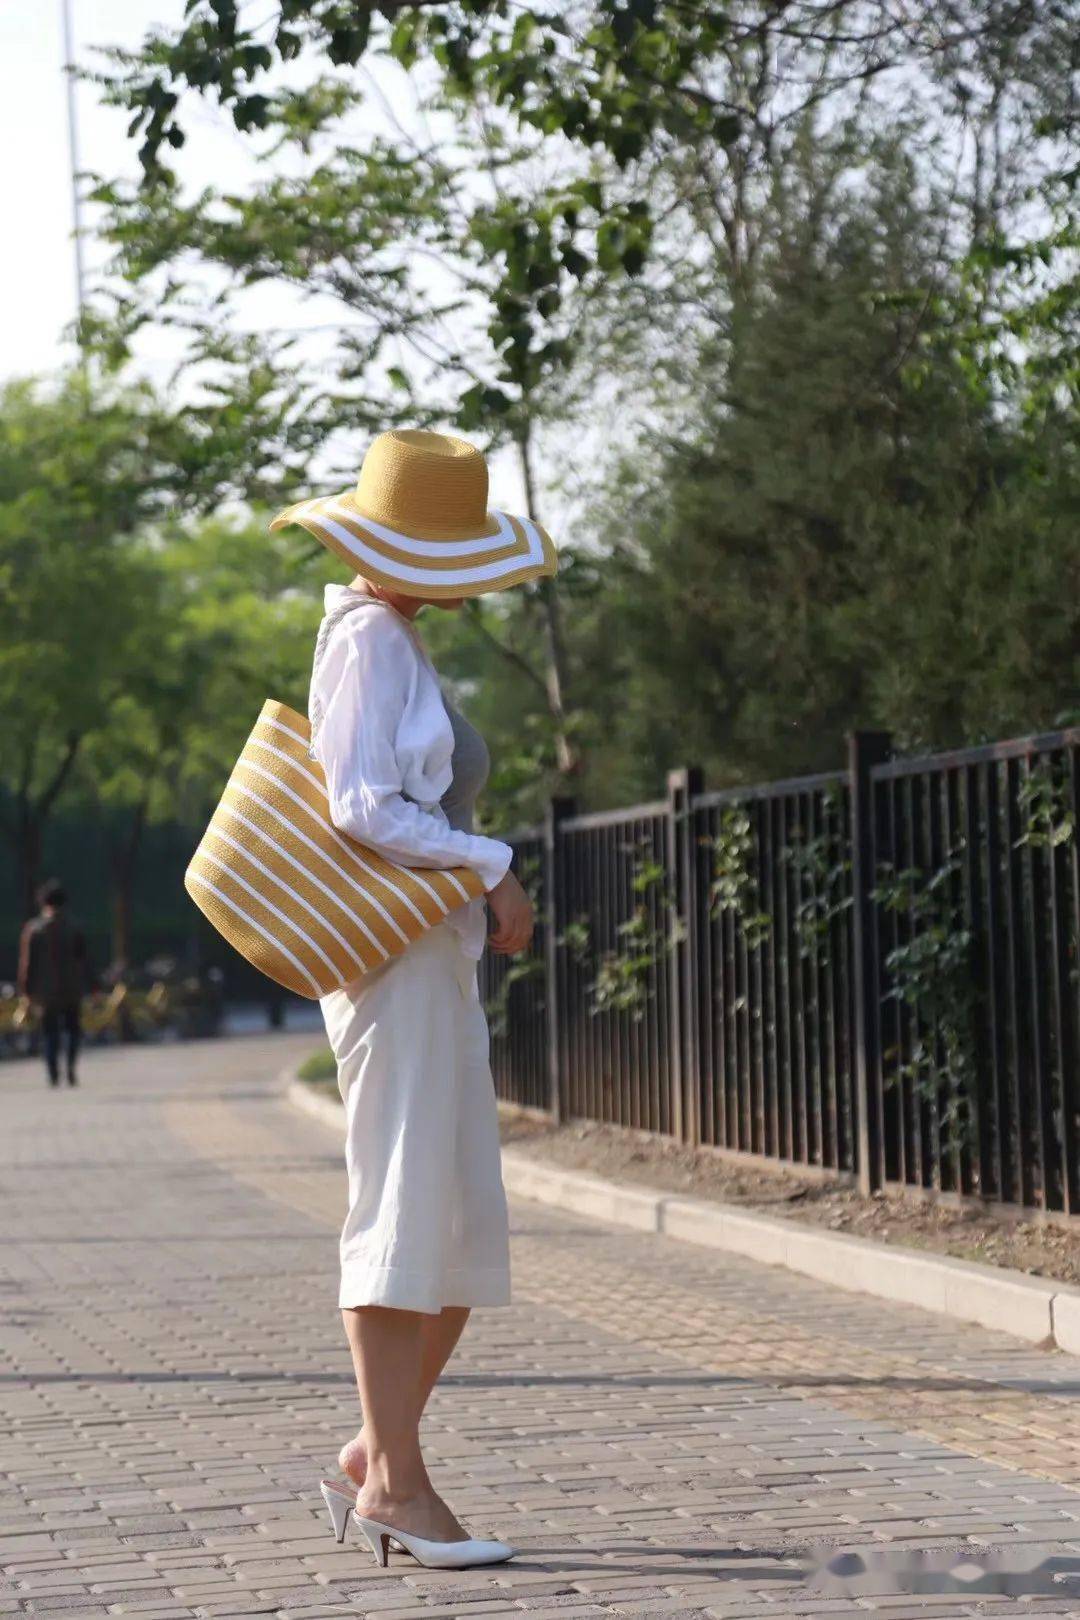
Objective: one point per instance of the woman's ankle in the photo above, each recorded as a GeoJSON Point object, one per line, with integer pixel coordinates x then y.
{"type": "Point", "coordinates": [396, 1478]}
{"type": "Point", "coordinates": [425, 1514]}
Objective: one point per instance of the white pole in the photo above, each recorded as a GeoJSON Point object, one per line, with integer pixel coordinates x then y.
{"type": "Point", "coordinates": [73, 152]}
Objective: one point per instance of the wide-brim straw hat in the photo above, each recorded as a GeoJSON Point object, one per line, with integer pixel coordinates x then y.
{"type": "Point", "coordinates": [418, 521]}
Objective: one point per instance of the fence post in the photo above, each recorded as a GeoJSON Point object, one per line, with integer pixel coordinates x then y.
{"type": "Point", "coordinates": [865, 750]}
{"type": "Point", "coordinates": [557, 810]}
{"type": "Point", "coordinates": [682, 785]}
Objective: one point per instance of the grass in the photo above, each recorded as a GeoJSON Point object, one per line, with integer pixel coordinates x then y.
{"type": "Point", "coordinates": [321, 1065]}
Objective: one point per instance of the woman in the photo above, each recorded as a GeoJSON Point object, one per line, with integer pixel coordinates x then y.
{"type": "Point", "coordinates": [425, 1238]}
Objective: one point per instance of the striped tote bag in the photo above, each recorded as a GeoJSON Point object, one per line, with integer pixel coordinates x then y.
{"type": "Point", "coordinates": [306, 905]}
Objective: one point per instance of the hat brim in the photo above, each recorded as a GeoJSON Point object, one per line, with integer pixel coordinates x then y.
{"type": "Point", "coordinates": [511, 551]}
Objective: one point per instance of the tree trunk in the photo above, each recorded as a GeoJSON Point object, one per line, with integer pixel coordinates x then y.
{"type": "Point", "coordinates": [123, 864]}
{"type": "Point", "coordinates": [27, 828]}
{"type": "Point", "coordinates": [27, 843]}
{"type": "Point", "coordinates": [555, 669]}
{"type": "Point", "coordinates": [120, 938]}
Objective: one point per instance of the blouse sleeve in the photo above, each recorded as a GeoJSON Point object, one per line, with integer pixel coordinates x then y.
{"type": "Point", "coordinates": [367, 684]}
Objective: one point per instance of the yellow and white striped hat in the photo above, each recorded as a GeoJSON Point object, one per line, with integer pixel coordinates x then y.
{"type": "Point", "coordinates": [418, 522]}
{"type": "Point", "coordinates": [309, 907]}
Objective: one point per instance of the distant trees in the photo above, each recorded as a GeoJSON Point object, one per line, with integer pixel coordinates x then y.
{"type": "Point", "coordinates": [776, 306]}
{"type": "Point", "coordinates": [226, 618]}
{"type": "Point", "coordinates": [847, 525]}
{"type": "Point", "coordinates": [76, 480]}
{"type": "Point", "coordinates": [781, 300]}
{"type": "Point", "coordinates": [135, 646]}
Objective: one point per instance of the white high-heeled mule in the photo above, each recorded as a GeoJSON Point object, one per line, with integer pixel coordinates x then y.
{"type": "Point", "coordinates": [341, 1502]}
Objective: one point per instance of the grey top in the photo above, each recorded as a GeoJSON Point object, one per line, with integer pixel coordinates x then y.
{"type": "Point", "coordinates": [470, 763]}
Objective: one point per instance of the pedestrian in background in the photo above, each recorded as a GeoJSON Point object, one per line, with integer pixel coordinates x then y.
{"type": "Point", "coordinates": [54, 975]}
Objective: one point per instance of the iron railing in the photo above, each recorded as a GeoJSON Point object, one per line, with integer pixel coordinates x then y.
{"type": "Point", "coordinates": [774, 1063]}
{"type": "Point", "coordinates": [978, 1073]}
{"type": "Point", "coordinates": [871, 973]}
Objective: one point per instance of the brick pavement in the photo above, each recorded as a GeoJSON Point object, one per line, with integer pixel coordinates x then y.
{"type": "Point", "coordinates": [661, 1430]}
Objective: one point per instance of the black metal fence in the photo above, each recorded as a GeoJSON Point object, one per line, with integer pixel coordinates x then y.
{"type": "Point", "coordinates": [872, 973]}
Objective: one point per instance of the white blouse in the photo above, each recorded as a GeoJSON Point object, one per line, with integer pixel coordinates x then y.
{"type": "Point", "coordinates": [383, 731]}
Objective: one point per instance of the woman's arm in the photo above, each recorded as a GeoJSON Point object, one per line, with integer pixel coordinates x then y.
{"type": "Point", "coordinates": [366, 681]}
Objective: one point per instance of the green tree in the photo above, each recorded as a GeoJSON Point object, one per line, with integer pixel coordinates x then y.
{"type": "Point", "coordinates": [712, 86]}
{"type": "Point", "coordinates": [852, 533]}
{"type": "Point", "coordinates": [366, 230]}
{"type": "Point", "coordinates": [609, 72]}
{"type": "Point", "coordinates": [792, 348]}
{"type": "Point", "coordinates": [126, 753]}
{"type": "Point", "coordinates": [78, 474]}
{"type": "Point", "coordinates": [246, 605]}
{"type": "Point", "coordinates": [87, 465]}
{"type": "Point", "coordinates": [226, 618]}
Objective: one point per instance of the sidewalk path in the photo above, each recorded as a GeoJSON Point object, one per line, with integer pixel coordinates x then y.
{"type": "Point", "coordinates": [663, 1431]}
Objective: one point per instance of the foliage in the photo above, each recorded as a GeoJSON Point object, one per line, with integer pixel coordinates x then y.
{"type": "Point", "coordinates": [781, 300]}
{"type": "Point", "coordinates": [247, 606]}
{"type": "Point", "coordinates": [497, 1007]}
{"type": "Point", "coordinates": [78, 475]}
{"type": "Point", "coordinates": [832, 517]}
{"type": "Point", "coordinates": [826, 247]}
{"type": "Point", "coordinates": [576, 937]}
{"type": "Point", "coordinates": [405, 230]}
{"type": "Point", "coordinates": [734, 888]}
{"type": "Point", "coordinates": [823, 866]}
{"type": "Point", "coordinates": [932, 975]}
{"type": "Point", "coordinates": [527, 966]}
{"type": "Point", "coordinates": [610, 72]}
{"type": "Point", "coordinates": [1043, 801]}
{"type": "Point", "coordinates": [630, 78]}
{"type": "Point", "coordinates": [623, 977]}
{"type": "Point", "coordinates": [133, 641]}
{"type": "Point", "coordinates": [318, 1065]}
{"type": "Point", "coordinates": [457, 278]}
{"type": "Point", "coordinates": [236, 620]}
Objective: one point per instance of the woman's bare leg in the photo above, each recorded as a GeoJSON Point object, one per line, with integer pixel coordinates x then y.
{"type": "Point", "coordinates": [438, 1339]}
{"type": "Point", "coordinates": [388, 1355]}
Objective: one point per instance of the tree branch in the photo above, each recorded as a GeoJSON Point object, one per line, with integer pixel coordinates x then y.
{"type": "Point", "coordinates": [60, 776]}
{"type": "Point", "coordinates": [476, 616]}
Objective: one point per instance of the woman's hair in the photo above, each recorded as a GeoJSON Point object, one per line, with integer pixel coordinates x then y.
{"type": "Point", "coordinates": [52, 893]}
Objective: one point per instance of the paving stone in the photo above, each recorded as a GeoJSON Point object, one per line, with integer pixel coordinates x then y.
{"type": "Point", "coordinates": [151, 1611]}
{"type": "Point", "coordinates": [570, 1612]}
{"type": "Point", "coordinates": [73, 1603]}
{"type": "Point", "coordinates": [661, 1430]}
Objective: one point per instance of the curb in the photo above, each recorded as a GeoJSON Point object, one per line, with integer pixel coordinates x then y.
{"type": "Point", "coordinates": [1036, 1309]}
{"type": "Point", "coordinates": [300, 1094]}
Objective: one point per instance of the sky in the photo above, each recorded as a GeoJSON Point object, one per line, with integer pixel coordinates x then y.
{"type": "Point", "coordinates": [37, 289]}
{"type": "Point", "coordinates": [37, 282]}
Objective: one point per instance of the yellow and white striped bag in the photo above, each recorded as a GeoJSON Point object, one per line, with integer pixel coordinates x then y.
{"type": "Point", "coordinates": [306, 905]}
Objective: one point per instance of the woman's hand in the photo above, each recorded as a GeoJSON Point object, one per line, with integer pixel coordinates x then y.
{"type": "Point", "coordinates": [512, 911]}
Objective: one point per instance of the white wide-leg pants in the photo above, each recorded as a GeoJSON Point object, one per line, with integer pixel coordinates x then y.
{"type": "Point", "coordinates": [427, 1222]}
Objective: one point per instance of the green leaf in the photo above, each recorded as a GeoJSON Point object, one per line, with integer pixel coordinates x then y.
{"type": "Point", "coordinates": [404, 40]}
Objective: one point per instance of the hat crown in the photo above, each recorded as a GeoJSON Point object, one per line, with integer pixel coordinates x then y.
{"type": "Point", "coordinates": [424, 483]}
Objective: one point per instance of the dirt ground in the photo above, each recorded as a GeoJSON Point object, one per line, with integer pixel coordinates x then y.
{"type": "Point", "coordinates": [1041, 1249]}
